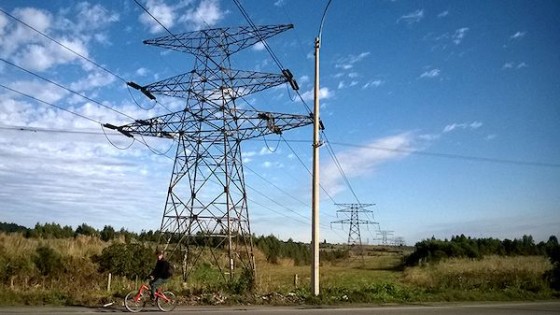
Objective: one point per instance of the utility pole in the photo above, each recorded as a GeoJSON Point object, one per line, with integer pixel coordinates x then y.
{"type": "Point", "coordinates": [206, 212]}
{"type": "Point", "coordinates": [354, 236]}
{"type": "Point", "coordinates": [317, 125]}
{"type": "Point", "coordinates": [315, 191]}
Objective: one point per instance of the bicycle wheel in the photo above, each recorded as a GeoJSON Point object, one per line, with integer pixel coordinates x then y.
{"type": "Point", "coordinates": [169, 304]}
{"type": "Point", "coordinates": [134, 305]}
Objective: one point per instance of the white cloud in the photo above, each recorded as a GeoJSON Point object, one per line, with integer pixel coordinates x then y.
{"type": "Point", "coordinates": [258, 46]}
{"type": "Point", "coordinates": [207, 13]}
{"type": "Point", "coordinates": [93, 80]}
{"type": "Point", "coordinates": [473, 125]}
{"type": "Point", "coordinates": [266, 151]}
{"type": "Point", "coordinates": [40, 20]}
{"type": "Point", "coordinates": [430, 74]}
{"type": "Point", "coordinates": [374, 83]}
{"type": "Point", "coordinates": [40, 90]}
{"type": "Point", "coordinates": [17, 35]}
{"type": "Point", "coordinates": [93, 17]}
{"type": "Point", "coordinates": [324, 93]}
{"type": "Point", "coordinates": [459, 35]}
{"type": "Point", "coordinates": [142, 71]}
{"type": "Point", "coordinates": [413, 17]}
{"type": "Point", "coordinates": [347, 63]}
{"type": "Point", "coordinates": [518, 35]}
{"type": "Point", "coordinates": [363, 161]}
{"type": "Point", "coordinates": [511, 65]}
{"type": "Point", "coordinates": [42, 57]}
{"type": "Point", "coordinates": [73, 27]}
{"type": "Point", "coordinates": [45, 179]}
{"type": "Point", "coordinates": [279, 3]}
{"type": "Point", "coordinates": [275, 165]}
{"type": "Point", "coordinates": [162, 12]}
{"type": "Point", "coordinates": [443, 14]}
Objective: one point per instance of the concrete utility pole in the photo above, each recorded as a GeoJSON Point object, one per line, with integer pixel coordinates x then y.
{"type": "Point", "coordinates": [315, 186]}
{"type": "Point", "coordinates": [315, 191]}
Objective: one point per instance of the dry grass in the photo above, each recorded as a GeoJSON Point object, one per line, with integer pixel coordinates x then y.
{"type": "Point", "coordinates": [375, 278]}
{"type": "Point", "coordinates": [81, 246]}
{"type": "Point", "coordinates": [490, 273]}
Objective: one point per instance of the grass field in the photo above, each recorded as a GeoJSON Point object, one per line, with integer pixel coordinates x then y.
{"type": "Point", "coordinates": [377, 277]}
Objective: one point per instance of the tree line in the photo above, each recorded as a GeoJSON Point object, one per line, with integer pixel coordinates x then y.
{"type": "Point", "coordinates": [466, 247]}
{"type": "Point", "coordinates": [56, 231]}
{"type": "Point", "coordinates": [433, 250]}
{"type": "Point", "coordinates": [273, 248]}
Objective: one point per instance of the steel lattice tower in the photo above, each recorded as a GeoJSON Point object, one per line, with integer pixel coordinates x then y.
{"type": "Point", "coordinates": [207, 198]}
{"type": "Point", "coordinates": [385, 237]}
{"type": "Point", "coordinates": [354, 236]}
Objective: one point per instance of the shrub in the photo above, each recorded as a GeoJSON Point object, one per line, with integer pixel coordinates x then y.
{"type": "Point", "coordinates": [127, 260]}
{"type": "Point", "coordinates": [47, 260]}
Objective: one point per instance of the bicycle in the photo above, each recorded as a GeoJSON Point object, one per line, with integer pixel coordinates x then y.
{"type": "Point", "coordinates": [136, 300]}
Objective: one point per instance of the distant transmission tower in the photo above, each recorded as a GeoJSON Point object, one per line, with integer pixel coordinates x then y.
{"type": "Point", "coordinates": [385, 240]}
{"type": "Point", "coordinates": [206, 206]}
{"type": "Point", "coordinates": [354, 236]}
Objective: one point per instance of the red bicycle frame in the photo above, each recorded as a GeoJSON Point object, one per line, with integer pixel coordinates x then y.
{"type": "Point", "coordinates": [158, 294]}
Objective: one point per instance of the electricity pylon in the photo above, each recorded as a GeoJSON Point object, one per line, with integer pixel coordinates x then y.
{"type": "Point", "coordinates": [207, 198]}
{"type": "Point", "coordinates": [354, 236]}
{"type": "Point", "coordinates": [385, 234]}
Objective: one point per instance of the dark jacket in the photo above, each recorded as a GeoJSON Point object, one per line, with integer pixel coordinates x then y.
{"type": "Point", "coordinates": [161, 270]}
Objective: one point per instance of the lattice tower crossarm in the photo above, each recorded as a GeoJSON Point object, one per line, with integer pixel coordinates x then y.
{"type": "Point", "coordinates": [218, 42]}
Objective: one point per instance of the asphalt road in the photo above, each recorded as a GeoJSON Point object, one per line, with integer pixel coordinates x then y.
{"type": "Point", "coordinates": [525, 308]}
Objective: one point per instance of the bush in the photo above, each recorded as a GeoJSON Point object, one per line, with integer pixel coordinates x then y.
{"type": "Point", "coordinates": [47, 260]}
{"type": "Point", "coordinates": [127, 260]}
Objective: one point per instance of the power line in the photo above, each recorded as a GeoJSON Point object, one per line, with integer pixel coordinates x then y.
{"type": "Point", "coordinates": [308, 170]}
{"type": "Point", "coordinates": [37, 129]}
{"type": "Point", "coordinates": [64, 46]}
{"type": "Point", "coordinates": [261, 39]}
{"type": "Point", "coordinates": [453, 156]}
{"type": "Point", "coordinates": [340, 169]}
{"type": "Point", "coordinates": [50, 104]}
{"type": "Point", "coordinates": [268, 49]}
{"type": "Point", "coordinates": [64, 88]}
{"type": "Point", "coordinates": [79, 55]}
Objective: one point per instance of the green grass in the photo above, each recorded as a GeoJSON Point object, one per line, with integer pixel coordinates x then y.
{"type": "Point", "coordinates": [377, 278]}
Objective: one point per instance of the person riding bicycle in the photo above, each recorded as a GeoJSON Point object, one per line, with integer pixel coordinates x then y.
{"type": "Point", "coordinates": [160, 274]}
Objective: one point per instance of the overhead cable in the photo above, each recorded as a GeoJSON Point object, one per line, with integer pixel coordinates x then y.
{"type": "Point", "coordinates": [49, 104]}
{"type": "Point", "coordinates": [64, 46]}
{"type": "Point", "coordinates": [64, 88]}
{"type": "Point", "coordinates": [454, 156]}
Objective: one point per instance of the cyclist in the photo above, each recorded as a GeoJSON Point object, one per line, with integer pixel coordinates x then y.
{"type": "Point", "coordinates": [160, 274]}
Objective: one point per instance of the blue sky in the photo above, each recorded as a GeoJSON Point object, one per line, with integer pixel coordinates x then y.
{"type": "Point", "coordinates": [442, 113]}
